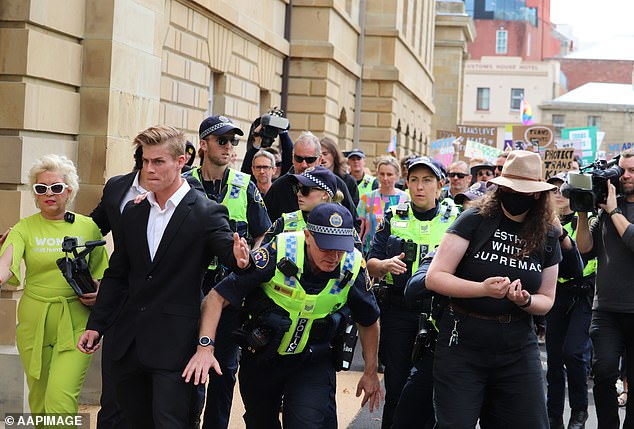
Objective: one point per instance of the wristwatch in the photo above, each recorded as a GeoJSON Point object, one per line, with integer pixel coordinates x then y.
{"type": "Point", "coordinates": [615, 211]}
{"type": "Point", "coordinates": [206, 341]}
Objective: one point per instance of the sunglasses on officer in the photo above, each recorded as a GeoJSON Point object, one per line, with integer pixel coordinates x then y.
{"type": "Point", "coordinates": [309, 159]}
{"type": "Point", "coordinates": [305, 190]}
{"type": "Point", "coordinates": [458, 175]}
{"type": "Point", "coordinates": [223, 140]}
{"type": "Point", "coordinates": [55, 188]}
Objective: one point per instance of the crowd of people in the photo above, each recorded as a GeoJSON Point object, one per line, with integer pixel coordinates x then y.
{"type": "Point", "coordinates": [443, 270]}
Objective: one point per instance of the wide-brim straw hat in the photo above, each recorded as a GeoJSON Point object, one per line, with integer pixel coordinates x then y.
{"type": "Point", "coordinates": [522, 172]}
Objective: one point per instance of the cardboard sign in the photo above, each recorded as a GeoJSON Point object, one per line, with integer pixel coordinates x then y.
{"type": "Point", "coordinates": [445, 134]}
{"type": "Point", "coordinates": [539, 137]}
{"type": "Point", "coordinates": [478, 133]}
{"type": "Point", "coordinates": [616, 148]}
{"type": "Point", "coordinates": [442, 150]}
{"type": "Point", "coordinates": [557, 161]}
{"type": "Point", "coordinates": [478, 150]}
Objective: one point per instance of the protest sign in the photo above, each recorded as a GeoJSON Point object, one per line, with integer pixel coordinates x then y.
{"type": "Point", "coordinates": [534, 137]}
{"type": "Point", "coordinates": [478, 133]}
{"type": "Point", "coordinates": [557, 161]}
{"type": "Point", "coordinates": [588, 137]}
{"type": "Point", "coordinates": [478, 150]}
{"type": "Point", "coordinates": [442, 150]}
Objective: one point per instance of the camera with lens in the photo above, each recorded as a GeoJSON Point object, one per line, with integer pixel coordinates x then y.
{"type": "Point", "coordinates": [76, 270]}
{"type": "Point", "coordinates": [273, 123]}
{"type": "Point", "coordinates": [588, 189]}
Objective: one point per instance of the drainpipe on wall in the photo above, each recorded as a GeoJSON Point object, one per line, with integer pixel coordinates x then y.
{"type": "Point", "coordinates": [359, 84]}
{"type": "Point", "coordinates": [287, 61]}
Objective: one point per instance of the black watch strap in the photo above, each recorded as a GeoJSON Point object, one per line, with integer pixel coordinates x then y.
{"type": "Point", "coordinates": [615, 211]}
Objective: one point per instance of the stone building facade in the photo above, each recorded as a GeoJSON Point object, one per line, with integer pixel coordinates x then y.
{"type": "Point", "coordinates": [83, 77]}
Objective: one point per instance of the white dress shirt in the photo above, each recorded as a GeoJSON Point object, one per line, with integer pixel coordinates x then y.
{"type": "Point", "coordinates": [159, 218]}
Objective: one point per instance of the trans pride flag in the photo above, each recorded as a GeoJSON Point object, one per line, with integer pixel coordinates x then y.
{"type": "Point", "coordinates": [526, 113]}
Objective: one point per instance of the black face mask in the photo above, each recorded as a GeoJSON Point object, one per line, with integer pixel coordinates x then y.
{"type": "Point", "coordinates": [516, 204]}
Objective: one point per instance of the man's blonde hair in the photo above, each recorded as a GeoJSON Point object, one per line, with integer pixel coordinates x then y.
{"type": "Point", "coordinates": [160, 134]}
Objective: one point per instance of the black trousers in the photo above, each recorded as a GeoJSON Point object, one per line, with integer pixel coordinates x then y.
{"type": "Point", "coordinates": [493, 370]}
{"type": "Point", "coordinates": [399, 327]}
{"type": "Point", "coordinates": [568, 347]}
{"type": "Point", "coordinates": [151, 398]}
{"type": "Point", "coordinates": [415, 407]}
{"type": "Point", "coordinates": [305, 387]}
{"type": "Point", "coordinates": [612, 335]}
{"type": "Point", "coordinates": [110, 415]}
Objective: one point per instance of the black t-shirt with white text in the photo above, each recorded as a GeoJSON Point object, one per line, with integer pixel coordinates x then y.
{"type": "Point", "coordinates": [497, 258]}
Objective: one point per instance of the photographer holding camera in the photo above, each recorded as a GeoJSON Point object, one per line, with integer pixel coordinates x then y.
{"type": "Point", "coordinates": [611, 240]}
{"type": "Point", "coordinates": [405, 235]}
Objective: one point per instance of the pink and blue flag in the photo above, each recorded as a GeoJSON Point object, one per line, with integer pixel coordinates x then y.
{"type": "Point", "coordinates": [526, 113]}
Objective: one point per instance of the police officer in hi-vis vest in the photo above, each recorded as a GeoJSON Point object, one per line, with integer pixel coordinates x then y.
{"type": "Point", "coordinates": [300, 294]}
{"type": "Point", "coordinates": [356, 162]}
{"type": "Point", "coordinates": [249, 218]}
{"type": "Point", "coordinates": [405, 235]}
{"type": "Point", "coordinates": [568, 343]}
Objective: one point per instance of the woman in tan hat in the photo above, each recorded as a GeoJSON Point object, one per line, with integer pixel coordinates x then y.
{"type": "Point", "coordinates": [487, 358]}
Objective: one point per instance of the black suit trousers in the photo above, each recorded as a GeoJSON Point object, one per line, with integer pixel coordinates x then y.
{"type": "Point", "coordinates": [151, 398]}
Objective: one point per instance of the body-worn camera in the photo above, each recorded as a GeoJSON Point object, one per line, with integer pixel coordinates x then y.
{"type": "Point", "coordinates": [589, 189]}
{"type": "Point", "coordinates": [272, 125]}
{"type": "Point", "coordinates": [409, 249]}
{"type": "Point", "coordinates": [75, 270]}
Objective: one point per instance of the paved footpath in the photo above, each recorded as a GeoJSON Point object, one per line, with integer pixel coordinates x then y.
{"type": "Point", "coordinates": [349, 414]}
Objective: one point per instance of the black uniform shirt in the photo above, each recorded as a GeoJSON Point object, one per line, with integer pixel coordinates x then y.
{"type": "Point", "coordinates": [361, 302]}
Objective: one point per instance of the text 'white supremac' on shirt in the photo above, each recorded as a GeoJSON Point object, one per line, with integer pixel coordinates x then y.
{"type": "Point", "coordinates": [159, 218]}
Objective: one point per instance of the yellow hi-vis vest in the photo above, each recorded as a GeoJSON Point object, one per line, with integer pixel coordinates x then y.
{"type": "Point", "coordinates": [294, 221]}
{"type": "Point", "coordinates": [425, 234]}
{"type": "Point", "coordinates": [235, 200]}
{"type": "Point", "coordinates": [365, 185]}
{"type": "Point", "coordinates": [303, 308]}
{"type": "Point", "coordinates": [591, 265]}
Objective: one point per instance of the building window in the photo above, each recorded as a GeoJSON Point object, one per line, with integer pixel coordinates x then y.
{"type": "Point", "coordinates": [216, 90]}
{"type": "Point", "coordinates": [594, 121]}
{"type": "Point", "coordinates": [482, 102]}
{"type": "Point", "coordinates": [501, 41]}
{"type": "Point", "coordinates": [559, 123]}
{"type": "Point", "coordinates": [517, 94]}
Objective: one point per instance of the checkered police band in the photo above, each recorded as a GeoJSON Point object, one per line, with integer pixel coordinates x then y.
{"type": "Point", "coordinates": [307, 174]}
{"type": "Point", "coordinates": [327, 230]}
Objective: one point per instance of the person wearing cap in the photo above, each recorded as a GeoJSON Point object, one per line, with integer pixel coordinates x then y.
{"type": "Point", "coordinates": [316, 185]}
{"type": "Point", "coordinates": [282, 196]}
{"type": "Point", "coordinates": [482, 172]}
{"type": "Point", "coordinates": [356, 163]}
{"type": "Point", "coordinates": [303, 288]}
{"type": "Point", "coordinates": [249, 218]}
{"type": "Point", "coordinates": [407, 232]}
{"type": "Point", "coordinates": [373, 205]}
{"type": "Point", "coordinates": [610, 238]}
{"type": "Point", "coordinates": [486, 359]}
{"type": "Point", "coordinates": [465, 199]}
{"type": "Point", "coordinates": [190, 156]}
{"type": "Point", "coordinates": [567, 334]}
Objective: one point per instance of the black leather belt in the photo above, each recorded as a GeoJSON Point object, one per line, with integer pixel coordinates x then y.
{"type": "Point", "coordinates": [500, 318]}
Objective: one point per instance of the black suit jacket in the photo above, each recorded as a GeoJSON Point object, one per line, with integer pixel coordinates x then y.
{"type": "Point", "coordinates": [162, 297]}
{"type": "Point", "coordinates": [107, 213]}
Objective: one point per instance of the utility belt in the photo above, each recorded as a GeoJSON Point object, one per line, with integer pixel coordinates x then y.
{"type": "Point", "coordinates": [578, 287]}
{"type": "Point", "coordinates": [500, 318]}
{"type": "Point", "coordinates": [391, 296]}
{"type": "Point", "coordinates": [330, 338]}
